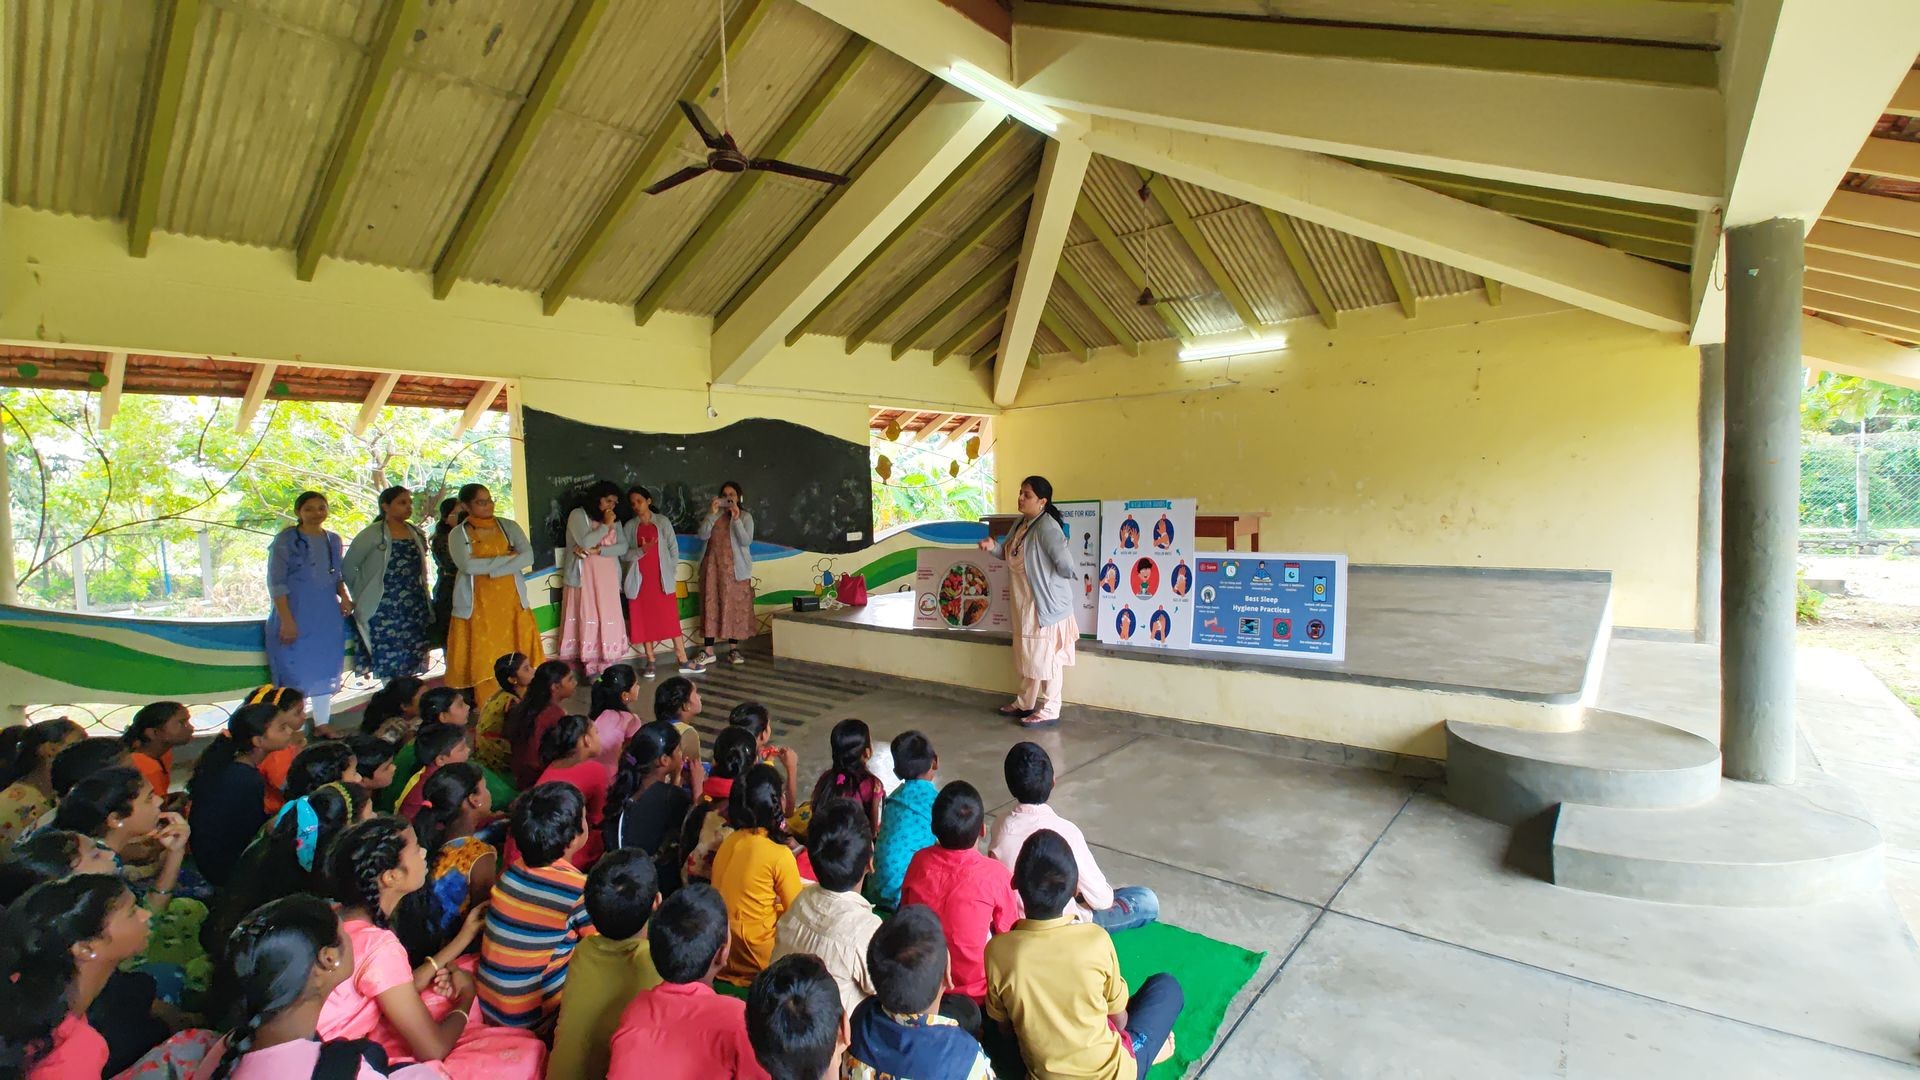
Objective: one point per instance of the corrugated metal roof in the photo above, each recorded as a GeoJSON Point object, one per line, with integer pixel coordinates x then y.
{"type": "Point", "coordinates": [1107, 282]}
{"type": "Point", "coordinates": [499, 44]}
{"type": "Point", "coordinates": [1431, 279]}
{"type": "Point", "coordinates": [949, 281]}
{"type": "Point", "coordinates": [1244, 243]}
{"type": "Point", "coordinates": [1349, 267]}
{"type": "Point", "coordinates": [76, 69]}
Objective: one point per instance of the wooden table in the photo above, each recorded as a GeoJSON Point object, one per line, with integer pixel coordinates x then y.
{"type": "Point", "coordinates": [1230, 527]}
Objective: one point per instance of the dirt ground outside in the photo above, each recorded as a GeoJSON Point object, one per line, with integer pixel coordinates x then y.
{"type": "Point", "coordinates": [1878, 620]}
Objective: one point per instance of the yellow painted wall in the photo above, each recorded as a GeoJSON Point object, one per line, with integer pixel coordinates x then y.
{"type": "Point", "coordinates": [1545, 437]}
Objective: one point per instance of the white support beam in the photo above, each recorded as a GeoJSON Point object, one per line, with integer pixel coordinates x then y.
{"type": "Point", "coordinates": [897, 181]}
{"type": "Point", "coordinates": [1830, 347]}
{"type": "Point", "coordinates": [967, 427]}
{"type": "Point", "coordinates": [931, 34]}
{"type": "Point", "coordinates": [1624, 139]}
{"type": "Point", "coordinates": [1412, 219]}
{"type": "Point", "coordinates": [110, 392]}
{"type": "Point", "coordinates": [927, 430]}
{"type": "Point", "coordinates": [376, 400]}
{"type": "Point", "coordinates": [483, 400]}
{"type": "Point", "coordinates": [250, 402]}
{"type": "Point", "coordinates": [1063, 168]}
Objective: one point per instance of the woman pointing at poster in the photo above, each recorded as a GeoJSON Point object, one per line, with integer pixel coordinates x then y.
{"type": "Point", "coordinates": [1042, 575]}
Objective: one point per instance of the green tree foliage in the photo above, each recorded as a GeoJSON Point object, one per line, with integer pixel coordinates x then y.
{"type": "Point", "coordinates": [1838, 404]}
{"type": "Point", "coordinates": [170, 467]}
{"type": "Point", "coordinates": [921, 485]}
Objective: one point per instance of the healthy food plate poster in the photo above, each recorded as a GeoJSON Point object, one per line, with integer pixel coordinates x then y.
{"type": "Point", "coordinates": [961, 590]}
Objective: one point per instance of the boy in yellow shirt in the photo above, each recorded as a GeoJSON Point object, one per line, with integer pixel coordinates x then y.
{"type": "Point", "coordinates": [609, 968]}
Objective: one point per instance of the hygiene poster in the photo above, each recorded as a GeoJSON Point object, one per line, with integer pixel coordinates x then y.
{"type": "Point", "coordinates": [961, 590]}
{"type": "Point", "coordinates": [1271, 604]}
{"type": "Point", "coordinates": [1083, 540]}
{"type": "Point", "coordinates": [1146, 577]}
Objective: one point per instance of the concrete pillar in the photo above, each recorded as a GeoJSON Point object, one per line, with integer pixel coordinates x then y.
{"type": "Point", "coordinates": [1761, 505]}
{"type": "Point", "coordinates": [1713, 438]}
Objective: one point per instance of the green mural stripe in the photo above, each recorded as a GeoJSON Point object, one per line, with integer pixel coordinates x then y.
{"type": "Point", "coordinates": [891, 567]}
{"type": "Point", "coordinates": [101, 665]}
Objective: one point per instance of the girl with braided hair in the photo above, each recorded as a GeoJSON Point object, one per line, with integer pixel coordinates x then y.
{"type": "Point", "coordinates": [416, 1014]}
{"type": "Point", "coordinates": [287, 958]}
{"type": "Point", "coordinates": [462, 836]}
{"type": "Point", "coordinates": [285, 859]}
{"type": "Point", "coordinates": [228, 792]}
{"type": "Point", "coordinates": [59, 943]}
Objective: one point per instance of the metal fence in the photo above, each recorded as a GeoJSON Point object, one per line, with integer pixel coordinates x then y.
{"type": "Point", "coordinates": [1863, 485]}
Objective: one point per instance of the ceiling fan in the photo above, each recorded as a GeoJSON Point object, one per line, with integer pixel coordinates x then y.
{"type": "Point", "coordinates": [723, 153]}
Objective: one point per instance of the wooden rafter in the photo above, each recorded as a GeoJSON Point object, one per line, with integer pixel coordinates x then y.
{"type": "Point", "coordinates": [1183, 223]}
{"type": "Point", "coordinates": [397, 23]}
{"type": "Point", "coordinates": [1079, 286]}
{"type": "Point", "coordinates": [1303, 267]}
{"type": "Point", "coordinates": [1866, 243]}
{"type": "Point", "coordinates": [512, 153]}
{"type": "Point", "coordinates": [1402, 284]}
{"type": "Point", "coordinates": [1495, 291]}
{"type": "Point", "coordinates": [1906, 100]}
{"type": "Point", "coordinates": [1680, 254]}
{"type": "Point", "coordinates": [1555, 214]}
{"type": "Point", "coordinates": [1879, 314]}
{"type": "Point", "coordinates": [250, 402]}
{"type": "Point", "coordinates": [376, 400]}
{"type": "Point", "coordinates": [483, 400]}
{"type": "Point", "coordinates": [970, 332]}
{"type": "Point", "coordinates": [1896, 159]}
{"type": "Point", "coordinates": [952, 182]}
{"type": "Point", "coordinates": [1450, 184]}
{"type": "Point", "coordinates": [1874, 212]}
{"type": "Point", "coordinates": [957, 249]}
{"type": "Point", "coordinates": [1074, 342]}
{"type": "Point", "coordinates": [110, 391]}
{"type": "Point", "coordinates": [800, 120]}
{"type": "Point", "coordinates": [1109, 241]}
{"type": "Point", "coordinates": [1857, 289]}
{"type": "Point", "coordinates": [988, 276]}
{"type": "Point", "coordinates": [906, 116]}
{"type": "Point", "coordinates": [1062, 180]}
{"type": "Point", "coordinates": [983, 355]}
{"type": "Point", "coordinates": [160, 115]}
{"type": "Point", "coordinates": [1855, 266]}
{"type": "Point", "coordinates": [654, 155]}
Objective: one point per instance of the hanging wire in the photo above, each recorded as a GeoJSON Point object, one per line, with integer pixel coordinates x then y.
{"type": "Point", "coordinates": [726, 86]}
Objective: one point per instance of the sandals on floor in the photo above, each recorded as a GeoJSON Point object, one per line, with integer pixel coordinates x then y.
{"type": "Point", "coordinates": [695, 666]}
{"type": "Point", "coordinates": [1013, 709]}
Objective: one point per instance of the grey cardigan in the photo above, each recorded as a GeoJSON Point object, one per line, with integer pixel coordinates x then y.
{"type": "Point", "coordinates": [742, 530]}
{"type": "Point", "coordinates": [668, 547]}
{"type": "Point", "coordinates": [365, 570]}
{"type": "Point", "coordinates": [1050, 569]}
{"type": "Point", "coordinates": [582, 532]}
{"type": "Point", "coordinates": [460, 549]}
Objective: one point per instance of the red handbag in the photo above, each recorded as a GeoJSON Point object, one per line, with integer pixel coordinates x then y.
{"type": "Point", "coordinates": [851, 590]}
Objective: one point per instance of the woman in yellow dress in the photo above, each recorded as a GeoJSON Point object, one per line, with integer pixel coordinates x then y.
{"type": "Point", "coordinates": [491, 614]}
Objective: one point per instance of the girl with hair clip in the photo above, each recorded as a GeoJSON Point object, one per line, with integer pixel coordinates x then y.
{"type": "Point", "coordinates": [544, 703]}
{"type": "Point", "coordinates": [320, 764]}
{"type": "Point", "coordinates": [755, 873]}
{"type": "Point", "coordinates": [651, 584]}
{"type": "Point", "coordinates": [851, 745]}
{"type": "Point", "coordinates": [227, 792]}
{"type": "Point", "coordinates": [707, 825]}
{"type": "Point", "coordinates": [307, 629]}
{"type": "Point", "coordinates": [461, 836]}
{"type": "Point", "coordinates": [491, 614]}
{"type": "Point", "coordinates": [593, 629]}
{"type": "Point", "coordinates": [490, 745]}
{"type": "Point", "coordinates": [59, 945]}
{"type": "Point", "coordinates": [571, 750]}
{"type": "Point", "coordinates": [26, 778]}
{"type": "Point", "coordinates": [612, 711]}
{"type": "Point", "coordinates": [647, 806]}
{"type": "Point", "coordinates": [292, 705]}
{"type": "Point", "coordinates": [415, 1013]}
{"type": "Point", "coordinates": [287, 958]}
{"type": "Point", "coordinates": [386, 572]}
{"type": "Point", "coordinates": [287, 858]}
{"type": "Point", "coordinates": [157, 730]}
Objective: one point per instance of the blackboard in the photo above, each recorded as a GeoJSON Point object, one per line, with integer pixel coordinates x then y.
{"type": "Point", "coordinates": [805, 488]}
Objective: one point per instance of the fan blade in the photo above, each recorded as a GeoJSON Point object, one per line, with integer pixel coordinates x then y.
{"type": "Point", "coordinates": [800, 171]}
{"type": "Point", "coordinates": [677, 179]}
{"type": "Point", "coordinates": [704, 127]}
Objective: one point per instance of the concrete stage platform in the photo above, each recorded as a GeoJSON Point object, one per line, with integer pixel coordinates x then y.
{"type": "Point", "coordinates": [1520, 648]}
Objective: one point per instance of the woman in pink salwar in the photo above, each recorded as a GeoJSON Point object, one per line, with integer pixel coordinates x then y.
{"type": "Point", "coordinates": [422, 1014]}
{"type": "Point", "coordinates": [593, 624]}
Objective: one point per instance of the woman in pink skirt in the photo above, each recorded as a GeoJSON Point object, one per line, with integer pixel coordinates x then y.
{"type": "Point", "coordinates": [592, 629]}
{"type": "Point", "coordinates": [653, 601]}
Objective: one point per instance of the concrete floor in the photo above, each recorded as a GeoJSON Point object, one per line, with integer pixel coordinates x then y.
{"type": "Point", "coordinates": [1400, 942]}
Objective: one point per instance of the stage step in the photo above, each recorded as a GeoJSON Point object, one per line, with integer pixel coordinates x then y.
{"type": "Point", "coordinates": [1752, 845]}
{"type": "Point", "coordinates": [1615, 760]}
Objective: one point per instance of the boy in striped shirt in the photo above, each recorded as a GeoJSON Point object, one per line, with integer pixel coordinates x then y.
{"type": "Point", "coordinates": [538, 911]}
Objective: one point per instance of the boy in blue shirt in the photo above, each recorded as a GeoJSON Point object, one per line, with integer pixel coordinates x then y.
{"type": "Point", "coordinates": [900, 1030]}
{"type": "Point", "coordinates": [906, 820]}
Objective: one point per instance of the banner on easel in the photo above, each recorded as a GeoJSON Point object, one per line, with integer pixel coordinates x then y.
{"type": "Point", "coordinates": [1146, 572]}
{"type": "Point", "coordinates": [961, 590]}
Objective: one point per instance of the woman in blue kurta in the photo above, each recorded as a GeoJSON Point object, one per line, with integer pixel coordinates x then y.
{"type": "Point", "coordinates": [307, 632]}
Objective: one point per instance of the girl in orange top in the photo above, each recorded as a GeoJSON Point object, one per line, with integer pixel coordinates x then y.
{"type": "Point", "coordinates": [291, 712]}
{"type": "Point", "coordinates": [755, 873]}
{"type": "Point", "coordinates": [151, 737]}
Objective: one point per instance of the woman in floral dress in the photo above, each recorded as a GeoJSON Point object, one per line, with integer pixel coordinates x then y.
{"type": "Point", "coordinates": [386, 572]}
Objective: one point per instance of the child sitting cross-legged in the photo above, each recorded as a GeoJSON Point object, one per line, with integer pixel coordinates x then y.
{"type": "Point", "coordinates": [830, 919]}
{"type": "Point", "coordinates": [570, 749]}
{"type": "Point", "coordinates": [755, 873]}
{"type": "Point", "coordinates": [1029, 773]}
{"type": "Point", "coordinates": [1055, 984]}
{"type": "Point", "coordinates": [794, 1020]}
{"type": "Point", "coordinates": [610, 967]}
{"type": "Point", "coordinates": [681, 1029]}
{"type": "Point", "coordinates": [851, 745]}
{"type": "Point", "coordinates": [906, 824]}
{"type": "Point", "coordinates": [972, 894]}
{"type": "Point", "coordinates": [903, 1030]}
{"type": "Point", "coordinates": [537, 914]}
{"type": "Point", "coordinates": [706, 826]}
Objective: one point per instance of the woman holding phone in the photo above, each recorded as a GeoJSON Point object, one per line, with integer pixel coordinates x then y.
{"type": "Point", "coordinates": [726, 575]}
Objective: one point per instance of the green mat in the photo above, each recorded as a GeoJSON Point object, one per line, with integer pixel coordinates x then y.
{"type": "Point", "coordinates": [1210, 972]}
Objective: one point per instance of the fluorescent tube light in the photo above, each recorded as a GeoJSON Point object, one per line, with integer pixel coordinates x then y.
{"type": "Point", "coordinates": [1216, 350]}
{"type": "Point", "coordinates": [987, 88]}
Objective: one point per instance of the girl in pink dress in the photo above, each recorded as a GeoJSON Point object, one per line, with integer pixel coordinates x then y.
{"type": "Point", "coordinates": [419, 1014]}
{"type": "Point", "coordinates": [612, 711]}
{"type": "Point", "coordinates": [593, 629]}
